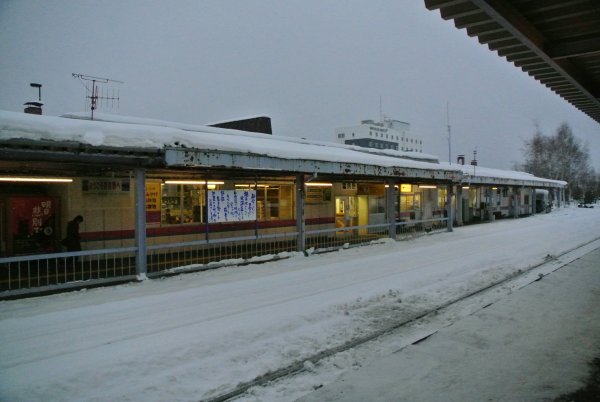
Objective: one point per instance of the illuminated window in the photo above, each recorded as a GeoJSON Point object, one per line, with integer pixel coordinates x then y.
{"type": "Point", "coordinates": [183, 203]}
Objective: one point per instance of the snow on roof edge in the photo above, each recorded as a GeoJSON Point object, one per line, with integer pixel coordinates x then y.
{"type": "Point", "coordinates": [128, 131]}
{"type": "Point", "coordinates": [415, 156]}
{"type": "Point", "coordinates": [486, 172]}
{"type": "Point", "coordinates": [14, 125]}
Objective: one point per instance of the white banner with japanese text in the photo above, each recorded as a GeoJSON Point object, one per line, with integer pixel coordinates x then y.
{"type": "Point", "coordinates": [231, 205]}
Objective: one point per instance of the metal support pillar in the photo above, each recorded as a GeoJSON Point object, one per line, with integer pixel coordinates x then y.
{"type": "Point", "coordinates": [515, 197]}
{"type": "Point", "coordinates": [390, 201]}
{"type": "Point", "coordinates": [533, 201]}
{"type": "Point", "coordinates": [449, 206]}
{"type": "Point", "coordinates": [458, 205]}
{"type": "Point", "coordinates": [140, 222]}
{"type": "Point", "coordinates": [560, 197]}
{"type": "Point", "coordinates": [300, 222]}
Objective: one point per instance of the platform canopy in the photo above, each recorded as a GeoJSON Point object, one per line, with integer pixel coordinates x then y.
{"type": "Point", "coordinates": [555, 41]}
{"type": "Point", "coordinates": [31, 144]}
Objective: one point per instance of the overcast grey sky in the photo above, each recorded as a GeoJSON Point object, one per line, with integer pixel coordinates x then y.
{"type": "Point", "coordinates": [311, 65]}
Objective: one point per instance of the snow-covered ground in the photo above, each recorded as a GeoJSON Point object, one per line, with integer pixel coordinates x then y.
{"type": "Point", "coordinates": [194, 336]}
{"type": "Point", "coordinates": [533, 343]}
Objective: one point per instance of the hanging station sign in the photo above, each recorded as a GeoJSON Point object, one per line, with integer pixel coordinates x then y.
{"type": "Point", "coordinates": [105, 186]}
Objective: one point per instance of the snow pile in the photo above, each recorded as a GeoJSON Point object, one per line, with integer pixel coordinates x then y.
{"type": "Point", "coordinates": [159, 135]}
{"type": "Point", "coordinates": [204, 128]}
{"type": "Point", "coordinates": [189, 337]}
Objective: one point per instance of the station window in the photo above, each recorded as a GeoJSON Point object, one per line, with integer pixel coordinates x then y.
{"type": "Point", "coordinates": [410, 202]}
{"type": "Point", "coordinates": [183, 203]}
{"type": "Point", "coordinates": [473, 198]}
{"type": "Point", "coordinates": [273, 200]}
{"type": "Point", "coordinates": [441, 193]}
{"type": "Point", "coordinates": [268, 204]}
{"type": "Point", "coordinates": [186, 203]}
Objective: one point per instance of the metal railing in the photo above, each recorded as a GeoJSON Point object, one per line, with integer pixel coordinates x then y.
{"type": "Point", "coordinates": [206, 254]}
{"type": "Point", "coordinates": [420, 227]}
{"type": "Point", "coordinates": [47, 270]}
{"type": "Point", "coordinates": [334, 238]}
{"type": "Point", "coordinates": [32, 271]}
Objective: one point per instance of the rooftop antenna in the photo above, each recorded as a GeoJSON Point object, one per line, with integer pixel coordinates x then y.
{"type": "Point", "coordinates": [95, 97]}
{"type": "Point", "coordinates": [449, 133]}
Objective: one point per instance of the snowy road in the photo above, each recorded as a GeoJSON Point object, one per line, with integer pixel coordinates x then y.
{"type": "Point", "coordinates": [194, 336]}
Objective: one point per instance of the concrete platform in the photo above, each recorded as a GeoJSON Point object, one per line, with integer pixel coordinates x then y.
{"type": "Point", "coordinates": [534, 345]}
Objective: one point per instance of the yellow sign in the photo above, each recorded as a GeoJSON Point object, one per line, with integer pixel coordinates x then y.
{"type": "Point", "coordinates": [406, 188]}
{"type": "Point", "coordinates": [152, 197]}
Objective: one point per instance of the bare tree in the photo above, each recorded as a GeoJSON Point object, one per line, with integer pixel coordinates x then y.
{"type": "Point", "coordinates": [560, 157]}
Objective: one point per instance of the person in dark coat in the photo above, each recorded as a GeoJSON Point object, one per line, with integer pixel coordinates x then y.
{"type": "Point", "coordinates": [73, 243]}
{"type": "Point", "coordinates": [73, 240]}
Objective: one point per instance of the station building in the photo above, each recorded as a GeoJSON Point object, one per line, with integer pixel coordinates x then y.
{"type": "Point", "coordinates": [159, 198]}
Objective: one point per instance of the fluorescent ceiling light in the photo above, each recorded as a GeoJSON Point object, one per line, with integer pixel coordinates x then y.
{"type": "Point", "coordinates": [315, 184]}
{"type": "Point", "coordinates": [36, 179]}
{"type": "Point", "coordinates": [426, 186]}
{"type": "Point", "coordinates": [197, 182]}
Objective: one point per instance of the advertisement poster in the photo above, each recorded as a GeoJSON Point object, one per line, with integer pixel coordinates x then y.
{"type": "Point", "coordinates": [317, 195]}
{"type": "Point", "coordinates": [231, 205]}
{"type": "Point", "coordinates": [33, 225]}
{"type": "Point", "coordinates": [152, 202]}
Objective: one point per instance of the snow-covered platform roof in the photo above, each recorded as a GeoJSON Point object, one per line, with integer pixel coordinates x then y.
{"type": "Point", "coordinates": [484, 175]}
{"type": "Point", "coordinates": [188, 145]}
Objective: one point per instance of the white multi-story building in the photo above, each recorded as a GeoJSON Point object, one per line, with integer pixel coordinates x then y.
{"type": "Point", "coordinates": [388, 134]}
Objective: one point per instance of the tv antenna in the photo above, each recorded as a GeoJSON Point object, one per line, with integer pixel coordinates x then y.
{"type": "Point", "coordinates": [99, 94]}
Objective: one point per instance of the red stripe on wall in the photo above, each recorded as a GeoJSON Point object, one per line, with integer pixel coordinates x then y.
{"type": "Point", "coordinates": [178, 230]}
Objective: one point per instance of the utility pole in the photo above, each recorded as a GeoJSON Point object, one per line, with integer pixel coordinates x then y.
{"type": "Point", "coordinates": [449, 133]}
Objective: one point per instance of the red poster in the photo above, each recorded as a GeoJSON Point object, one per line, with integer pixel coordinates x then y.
{"type": "Point", "coordinates": [33, 223]}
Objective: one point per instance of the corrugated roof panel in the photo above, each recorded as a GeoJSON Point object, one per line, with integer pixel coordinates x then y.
{"type": "Point", "coordinates": [547, 39]}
